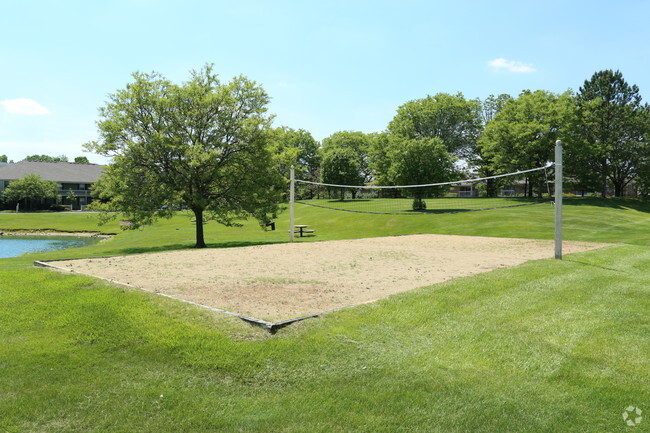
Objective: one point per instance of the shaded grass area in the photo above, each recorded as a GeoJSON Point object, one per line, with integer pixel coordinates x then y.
{"type": "Point", "coordinates": [544, 347]}
{"type": "Point", "coordinates": [548, 346]}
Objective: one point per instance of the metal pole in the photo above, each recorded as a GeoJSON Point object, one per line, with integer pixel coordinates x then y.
{"type": "Point", "coordinates": [558, 200]}
{"type": "Point", "coordinates": [292, 197]}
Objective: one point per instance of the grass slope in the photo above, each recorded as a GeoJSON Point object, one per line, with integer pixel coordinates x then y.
{"type": "Point", "coordinates": [549, 346]}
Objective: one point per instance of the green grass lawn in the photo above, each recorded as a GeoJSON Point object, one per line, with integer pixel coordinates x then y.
{"type": "Point", "coordinates": [549, 346]}
{"type": "Point", "coordinates": [404, 206]}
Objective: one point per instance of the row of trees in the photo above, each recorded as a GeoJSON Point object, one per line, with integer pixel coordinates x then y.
{"type": "Point", "coordinates": [47, 158]}
{"type": "Point", "coordinates": [604, 126]}
{"type": "Point", "coordinates": [60, 158]}
{"type": "Point", "coordinates": [210, 147]}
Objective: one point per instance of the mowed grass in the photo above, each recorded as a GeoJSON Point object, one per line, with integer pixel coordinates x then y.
{"type": "Point", "coordinates": [404, 206]}
{"type": "Point", "coordinates": [620, 221]}
{"type": "Point", "coordinates": [549, 346]}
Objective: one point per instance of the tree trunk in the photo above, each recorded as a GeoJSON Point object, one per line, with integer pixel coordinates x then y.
{"type": "Point", "coordinates": [618, 189]}
{"type": "Point", "coordinates": [200, 241]}
{"type": "Point", "coordinates": [525, 187]}
{"type": "Point", "coordinates": [603, 190]}
{"type": "Point", "coordinates": [490, 188]}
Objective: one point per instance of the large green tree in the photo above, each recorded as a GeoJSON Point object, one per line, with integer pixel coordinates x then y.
{"type": "Point", "coordinates": [295, 147]}
{"type": "Point", "coordinates": [418, 162]}
{"type": "Point", "coordinates": [478, 160]}
{"type": "Point", "coordinates": [298, 148]}
{"type": "Point", "coordinates": [452, 118]}
{"type": "Point", "coordinates": [201, 144]}
{"type": "Point", "coordinates": [31, 187]}
{"type": "Point", "coordinates": [379, 157]}
{"type": "Point", "coordinates": [340, 166]}
{"type": "Point", "coordinates": [609, 143]}
{"type": "Point", "coordinates": [357, 142]}
{"type": "Point", "coordinates": [522, 134]}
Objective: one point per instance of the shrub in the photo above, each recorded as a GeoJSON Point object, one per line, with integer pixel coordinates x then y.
{"type": "Point", "coordinates": [419, 204]}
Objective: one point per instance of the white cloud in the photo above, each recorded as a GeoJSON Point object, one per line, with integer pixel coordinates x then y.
{"type": "Point", "coordinates": [24, 106]}
{"type": "Point", "coordinates": [511, 65]}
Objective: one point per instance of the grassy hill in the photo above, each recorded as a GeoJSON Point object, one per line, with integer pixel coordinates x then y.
{"type": "Point", "coordinates": [549, 346]}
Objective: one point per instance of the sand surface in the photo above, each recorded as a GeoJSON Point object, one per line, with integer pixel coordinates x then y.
{"type": "Point", "coordinates": [278, 282]}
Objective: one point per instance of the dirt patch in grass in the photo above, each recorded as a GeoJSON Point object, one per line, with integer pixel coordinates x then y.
{"type": "Point", "coordinates": [282, 281]}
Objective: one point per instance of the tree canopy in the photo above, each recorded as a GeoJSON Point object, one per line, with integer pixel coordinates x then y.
{"type": "Point", "coordinates": [81, 160]}
{"type": "Point", "coordinates": [298, 148]}
{"type": "Point", "coordinates": [341, 166]}
{"type": "Point", "coordinates": [209, 146]}
{"type": "Point", "coordinates": [202, 144]}
{"type": "Point", "coordinates": [417, 162]}
{"type": "Point", "coordinates": [523, 134]}
{"type": "Point", "coordinates": [295, 147]}
{"type": "Point", "coordinates": [357, 142]}
{"type": "Point", "coordinates": [452, 118]}
{"type": "Point", "coordinates": [610, 132]}
{"type": "Point", "coordinates": [379, 157]}
{"type": "Point", "coordinates": [46, 158]}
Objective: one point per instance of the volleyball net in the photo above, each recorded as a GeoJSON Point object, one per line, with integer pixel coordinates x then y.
{"type": "Point", "coordinates": [519, 188]}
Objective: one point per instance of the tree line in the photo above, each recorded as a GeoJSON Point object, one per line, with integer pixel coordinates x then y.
{"type": "Point", "coordinates": [209, 146]}
{"type": "Point", "coordinates": [604, 126]}
{"type": "Point", "coordinates": [48, 158]}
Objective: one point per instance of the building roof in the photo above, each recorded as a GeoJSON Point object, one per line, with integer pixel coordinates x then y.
{"type": "Point", "coordinates": [62, 172]}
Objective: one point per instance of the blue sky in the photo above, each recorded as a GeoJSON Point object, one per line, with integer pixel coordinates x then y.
{"type": "Point", "coordinates": [328, 66]}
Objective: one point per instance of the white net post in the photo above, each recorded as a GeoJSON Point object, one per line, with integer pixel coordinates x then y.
{"type": "Point", "coordinates": [558, 200]}
{"type": "Point", "coordinates": [292, 199]}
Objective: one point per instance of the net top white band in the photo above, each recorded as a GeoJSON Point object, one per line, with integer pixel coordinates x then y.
{"type": "Point", "coordinates": [479, 179]}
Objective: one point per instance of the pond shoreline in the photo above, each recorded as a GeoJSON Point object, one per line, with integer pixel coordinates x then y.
{"type": "Point", "coordinates": [47, 232]}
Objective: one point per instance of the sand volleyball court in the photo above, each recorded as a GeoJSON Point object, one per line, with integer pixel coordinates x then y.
{"type": "Point", "coordinates": [284, 281]}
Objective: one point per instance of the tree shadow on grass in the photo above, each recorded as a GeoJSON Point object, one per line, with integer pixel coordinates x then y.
{"type": "Point", "coordinates": [348, 200]}
{"type": "Point", "coordinates": [636, 204]}
{"type": "Point", "coordinates": [478, 204]}
{"type": "Point", "coordinates": [190, 247]}
{"type": "Point", "coordinates": [584, 263]}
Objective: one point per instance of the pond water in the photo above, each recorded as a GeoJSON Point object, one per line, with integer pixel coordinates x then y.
{"type": "Point", "coordinates": [14, 246]}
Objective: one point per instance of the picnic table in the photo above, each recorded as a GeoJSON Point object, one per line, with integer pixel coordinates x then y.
{"type": "Point", "coordinates": [302, 229]}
